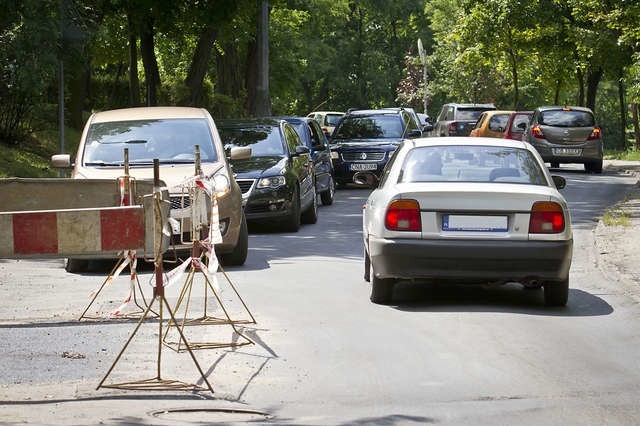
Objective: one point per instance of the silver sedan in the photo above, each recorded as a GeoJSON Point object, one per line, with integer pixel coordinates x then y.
{"type": "Point", "coordinates": [472, 210]}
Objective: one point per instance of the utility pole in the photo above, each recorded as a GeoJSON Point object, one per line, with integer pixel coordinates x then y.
{"type": "Point", "coordinates": [61, 82]}
{"type": "Point", "coordinates": [263, 101]}
{"type": "Point", "coordinates": [423, 58]}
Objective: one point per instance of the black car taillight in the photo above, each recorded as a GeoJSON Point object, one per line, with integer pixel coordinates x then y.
{"type": "Point", "coordinates": [453, 127]}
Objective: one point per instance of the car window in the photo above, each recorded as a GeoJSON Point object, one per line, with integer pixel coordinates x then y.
{"type": "Point", "coordinates": [303, 131]}
{"type": "Point", "coordinates": [566, 118]}
{"type": "Point", "coordinates": [472, 164]}
{"type": "Point", "coordinates": [387, 168]}
{"type": "Point", "coordinates": [518, 120]}
{"type": "Point", "coordinates": [332, 119]}
{"type": "Point", "coordinates": [369, 127]}
{"type": "Point", "coordinates": [264, 140]}
{"type": "Point", "coordinates": [468, 113]}
{"type": "Point", "coordinates": [411, 123]}
{"type": "Point", "coordinates": [168, 140]}
{"type": "Point", "coordinates": [498, 122]}
{"type": "Point", "coordinates": [317, 137]}
{"type": "Point", "coordinates": [480, 121]}
{"type": "Point", "coordinates": [292, 138]}
{"type": "Point", "coordinates": [450, 113]}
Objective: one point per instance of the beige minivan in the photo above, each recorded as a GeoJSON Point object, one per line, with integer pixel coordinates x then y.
{"type": "Point", "coordinates": [170, 135]}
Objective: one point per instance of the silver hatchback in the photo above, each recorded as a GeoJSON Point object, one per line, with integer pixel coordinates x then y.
{"type": "Point", "coordinates": [566, 135]}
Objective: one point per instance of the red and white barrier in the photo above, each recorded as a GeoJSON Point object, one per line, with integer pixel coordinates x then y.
{"type": "Point", "coordinates": [64, 233]}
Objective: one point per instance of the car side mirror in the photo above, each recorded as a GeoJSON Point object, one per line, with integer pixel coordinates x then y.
{"type": "Point", "coordinates": [300, 150]}
{"type": "Point", "coordinates": [428, 127]}
{"type": "Point", "coordinates": [522, 126]}
{"type": "Point", "coordinates": [559, 181]}
{"type": "Point", "coordinates": [366, 179]}
{"type": "Point", "coordinates": [61, 161]}
{"type": "Point", "coordinates": [412, 134]}
{"type": "Point", "coordinates": [240, 153]}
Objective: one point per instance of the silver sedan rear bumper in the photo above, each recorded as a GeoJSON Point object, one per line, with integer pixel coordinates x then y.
{"type": "Point", "coordinates": [471, 260]}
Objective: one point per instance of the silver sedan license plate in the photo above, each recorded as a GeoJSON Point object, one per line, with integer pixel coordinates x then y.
{"type": "Point", "coordinates": [455, 222]}
{"type": "Point", "coordinates": [567, 151]}
{"type": "Point", "coordinates": [361, 167]}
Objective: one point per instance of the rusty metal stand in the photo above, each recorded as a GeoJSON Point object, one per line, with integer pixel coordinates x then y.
{"type": "Point", "coordinates": [206, 319]}
{"type": "Point", "coordinates": [125, 258]}
{"type": "Point", "coordinates": [201, 226]}
{"type": "Point", "coordinates": [127, 193]}
{"type": "Point", "coordinates": [157, 382]}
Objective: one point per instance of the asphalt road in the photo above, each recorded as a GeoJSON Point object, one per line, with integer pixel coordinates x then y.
{"type": "Point", "coordinates": [324, 354]}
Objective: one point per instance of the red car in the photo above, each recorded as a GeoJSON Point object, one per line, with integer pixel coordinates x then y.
{"type": "Point", "coordinates": [517, 125]}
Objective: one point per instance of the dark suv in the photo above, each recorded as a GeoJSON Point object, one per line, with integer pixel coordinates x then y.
{"type": "Point", "coordinates": [563, 134]}
{"type": "Point", "coordinates": [365, 139]}
{"type": "Point", "coordinates": [459, 119]}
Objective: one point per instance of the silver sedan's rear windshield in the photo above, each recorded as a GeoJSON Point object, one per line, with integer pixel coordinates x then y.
{"type": "Point", "coordinates": [172, 141]}
{"type": "Point", "coordinates": [472, 164]}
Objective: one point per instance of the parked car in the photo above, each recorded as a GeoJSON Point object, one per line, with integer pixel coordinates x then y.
{"type": "Point", "coordinates": [517, 125]}
{"type": "Point", "coordinates": [168, 134]}
{"type": "Point", "coordinates": [327, 120]}
{"type": "Point", "coordinates": [364, 140]}
{"type": "Point", "coordinates": [459, 119]}
{"type": "Point", "coordinates": [411, 112]}
{"type": "Point", "coordinates": [425, 122]}
{"type": "Point", "coordinates": [312, 136]}
{"type": "Point", "coordinates": [441, 215]}
{"type": "Point", "coordinates": [491, 124]}
{"type": "Point", "coordinates": [564, 134]}
{"type": "Point", "coordinates": [277, 182]}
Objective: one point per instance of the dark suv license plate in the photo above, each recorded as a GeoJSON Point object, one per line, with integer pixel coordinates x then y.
{"type": "Point", "coordinates": [362, 167]}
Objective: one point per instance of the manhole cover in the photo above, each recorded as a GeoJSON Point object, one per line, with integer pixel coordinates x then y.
{"type": "Point", "coordinates": [210, 414]}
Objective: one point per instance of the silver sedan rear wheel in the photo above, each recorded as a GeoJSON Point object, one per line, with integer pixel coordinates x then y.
{"type": "Point", "coordinates": [381, 289]}
{"type": "Point", "coordinates": [556, 293]}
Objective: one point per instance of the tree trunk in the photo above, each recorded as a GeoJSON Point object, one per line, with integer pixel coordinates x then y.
{"type": "Point", "coordinates": [262, 105]}
{"type": "Point", "coordinates": [580, 97]}
{"type": "Point", "coordinates": [636, 125]}
{"type": "Point", "coordinates": [251, 75]}
{"type": "Point", "coordinates": [556, 95]}
{"type": "Point", "coordinates": [200, 65]}
{"type": "Point", "coordinates": [514, 72]}
{"type": "Point", "coordinates": [147, 51]}
{"type": "Point", "coordinates": [77, 84]}
{"type": "Point", "coordinates": [114, 89]}
{"type": "Point", "coordinates": [228, 72]}
{"type": "Point", "coordinates": [623, 111]}
{"type": "Point", "coordinates": [593, 80]}
{"type": "Point", "coordinates": [134, 83]}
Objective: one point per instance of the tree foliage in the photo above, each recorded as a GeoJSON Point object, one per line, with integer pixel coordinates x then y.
{"type": "Point", "coordinates": [324, 54]}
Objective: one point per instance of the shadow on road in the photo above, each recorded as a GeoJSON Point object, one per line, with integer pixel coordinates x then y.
{"type": "Point", "coordinates": [510, 298]}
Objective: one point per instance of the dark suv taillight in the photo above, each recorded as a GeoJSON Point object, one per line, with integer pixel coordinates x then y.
{"type": "Point", "coordinates": [547, 217]}
{"type": "Point", "coordinates": [403, 215]}
{"type": "Point", "coordinates": [453, 128]}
